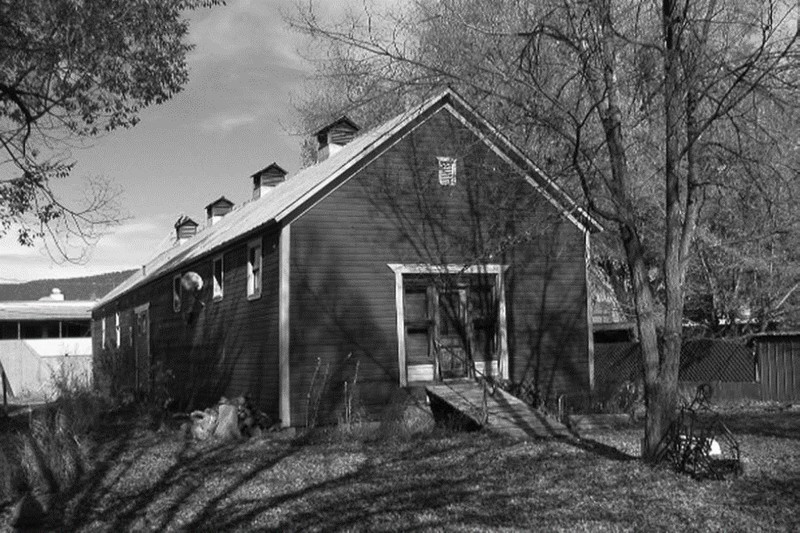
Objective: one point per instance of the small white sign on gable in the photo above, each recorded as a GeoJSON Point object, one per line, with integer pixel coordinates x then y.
{"type": "Point", "coordinates": [447, 170]}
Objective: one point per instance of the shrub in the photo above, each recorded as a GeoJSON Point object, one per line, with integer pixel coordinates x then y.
{"type": "Point", "coordinates": [405, 417]}
{"type": "Point", "coordinates": [48, 451]}
{"type": "Point", "coordinates": [316, 390]}
{"type": "Point", "coordinates": [52, 456]}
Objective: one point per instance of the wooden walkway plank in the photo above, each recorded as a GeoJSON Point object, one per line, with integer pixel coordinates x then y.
{"type": "Point", "coordinates": [503, 413]}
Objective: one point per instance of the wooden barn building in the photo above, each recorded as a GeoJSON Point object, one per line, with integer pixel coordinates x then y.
{"type": "Point", "coordinates": [428, 248]}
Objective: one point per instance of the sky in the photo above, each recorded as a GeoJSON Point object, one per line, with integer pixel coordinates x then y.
{"type": "Point", "coordinates": [233, 118]}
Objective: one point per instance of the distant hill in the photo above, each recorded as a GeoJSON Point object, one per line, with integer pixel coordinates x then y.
{"type": "Point", "coordinates": [85, 288]}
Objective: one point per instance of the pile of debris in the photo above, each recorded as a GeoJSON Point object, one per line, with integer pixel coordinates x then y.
{"type": "Point", "coordinates": [230, 419]}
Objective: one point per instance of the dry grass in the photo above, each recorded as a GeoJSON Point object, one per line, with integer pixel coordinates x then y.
{"type": "Point", "coordinates": [45, 448]}
{"type": "Point", "coordinates": [148, 481]}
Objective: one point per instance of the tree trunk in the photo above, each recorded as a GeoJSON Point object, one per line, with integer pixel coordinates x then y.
{"type": "Point", "coordinates": [659, 413]}
{"type": "Point", "coordinates": [661, 377]}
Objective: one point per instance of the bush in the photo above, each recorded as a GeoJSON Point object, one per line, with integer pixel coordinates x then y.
{"type": "Point", "coordinates": [52, 456]}
{"type": "Point", "coordinates": [48, 450]}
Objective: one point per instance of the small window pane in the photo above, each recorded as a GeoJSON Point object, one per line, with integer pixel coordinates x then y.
{"type": "Point", "coordinates": [254, 270]}
{"type": "Point", "coordinates": [218, 278]}
{"type": "Point", "coordinates": [449, 311]}
{"type": "Point", "coordinates": [416, 301]}
{"type": "Point", "coordinates": [417, 346]}
{"type": "Point", "coordinates": [117, 332]}
{"type": "Point", "coordinates": [176, 293]}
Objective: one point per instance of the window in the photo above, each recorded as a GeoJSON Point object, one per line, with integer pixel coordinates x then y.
{"type": "Point", "coordinates": [103, 333]}
{"type": "Point", "coordinates": [218, 277]}
{"type": "Point", "coordinates": [447, 170]}
{"type": "Point", "coordinates": [117, 333]}
{"type": "Point", "coordinates": [254, 269]}
{"type": "Point", "coordinates": [176, 293]}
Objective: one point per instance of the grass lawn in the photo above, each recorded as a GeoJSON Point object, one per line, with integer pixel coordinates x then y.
{"type": "Point", "coordinates": [150, 481]}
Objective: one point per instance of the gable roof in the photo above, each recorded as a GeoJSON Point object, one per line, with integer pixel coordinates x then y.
{"type": "Point", "coordinates": [343, 120]}
{"type": "Point", "coordinates": [220, 201]}
{"type": "Point", "coordinates": [271, 167]}
{"type": "Point", "coordinates": [184, 220]}
{"type": "Point", "coordinates": [292, 197]}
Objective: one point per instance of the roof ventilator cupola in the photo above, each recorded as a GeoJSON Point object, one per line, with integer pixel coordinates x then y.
{"type": "Point", "coordinates": [218, 209]}
{"type": "Point", "coordinates": [267, 179]}
{"type": "Point", "coordinates": [334, 136]}
{"type": "Point", "coordinates": [185, 228]}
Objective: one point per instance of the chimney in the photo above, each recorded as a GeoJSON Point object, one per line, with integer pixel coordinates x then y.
{"type": "Point", "coordinates": [334, 136]}
{"type": "Point", "coordinates": [266, 179]}
{"type": "Point", "coordinates": [185, 228]}
{"type": "Point", "coordinates": [218, 209]}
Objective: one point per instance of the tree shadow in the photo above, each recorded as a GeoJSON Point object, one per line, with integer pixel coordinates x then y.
{"type": "Point", "coordinates": [784, 424]}
{"type": "Point", "coordinates": [102, 497]}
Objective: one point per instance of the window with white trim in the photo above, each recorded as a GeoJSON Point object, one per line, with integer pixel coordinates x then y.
{"type": "Point", "coordinates": [254, 274]}
{"type": "Point", "coordinates": [176, 293]}
{"type": "Point", "coordinates": [218, 277]}
{"type": "Point", "coordinates": [103, 333]}
{"type": "Point", "coordinates": [117, 332]}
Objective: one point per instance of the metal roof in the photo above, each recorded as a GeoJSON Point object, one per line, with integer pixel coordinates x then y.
{"type": "Point", "coordinates": [46, 310]}
{"type": "Point", "coordinates": [773, 335]}
{"type": "Point", "coordinates": [282, 201]}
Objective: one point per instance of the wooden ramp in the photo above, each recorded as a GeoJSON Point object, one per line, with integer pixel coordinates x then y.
{"type": "Point", "coordinates": [504, 413]}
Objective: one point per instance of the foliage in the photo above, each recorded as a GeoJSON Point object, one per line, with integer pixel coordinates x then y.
{"type": "Point", "coordinates": [71, 71]}
{"type": "Point", "coordinates": [351, 413]}
{"type": "Point", "coordinates": [316, 390]}
{"type": "Point", "coordinates": [48, 450]}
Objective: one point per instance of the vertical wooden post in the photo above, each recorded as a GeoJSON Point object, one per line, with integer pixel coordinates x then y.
{"type": "Point", "coordinates": [5, 392]}
{"type": "Point", "coordinates": [284, 334]}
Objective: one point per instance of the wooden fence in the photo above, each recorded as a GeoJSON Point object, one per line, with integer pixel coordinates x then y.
{"type": "Point", "coordinates": [765, 368]}
{"type": "Point", "coordinates": [779, 365]}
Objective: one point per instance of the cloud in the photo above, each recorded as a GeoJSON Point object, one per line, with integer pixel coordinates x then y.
{"type": "Point", "coordinates": [127, 246]}
{"type": "Point", "coordinates": [230, 32]}
{"type": "Point", "coordinates": [225, 123]}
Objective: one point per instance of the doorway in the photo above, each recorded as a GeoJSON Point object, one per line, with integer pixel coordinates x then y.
{"type": "Point", "coordinates": [450, 326]}
{"type": "Point", "coordinates": [141, 345]}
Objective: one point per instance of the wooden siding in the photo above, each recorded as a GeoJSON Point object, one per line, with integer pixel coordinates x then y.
{"type": "Point", "coordinates": [394, 211]}
{"type": "Point", "coordinates": [227, 347]}
{"type": "Point", "coordinates": [779, 367]}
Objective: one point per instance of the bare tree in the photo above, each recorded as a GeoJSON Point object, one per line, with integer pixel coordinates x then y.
{"type": "Point", "coordinates": [649, 100]}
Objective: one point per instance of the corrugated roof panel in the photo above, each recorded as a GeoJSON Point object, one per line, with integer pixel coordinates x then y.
{"type": "Point", "coordinates": [46, 310]}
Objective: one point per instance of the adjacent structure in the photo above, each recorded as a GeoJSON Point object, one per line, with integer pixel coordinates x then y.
{"type": "Point", "coordinates": [43, 340]}
{"type": "Point", "coordinates": [426, 249]}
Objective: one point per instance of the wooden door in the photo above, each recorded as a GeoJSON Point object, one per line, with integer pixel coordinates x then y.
{"type": "Point", "coordinates": [451, 334]}
{"type": "Point", "coordinates": [142, 351]}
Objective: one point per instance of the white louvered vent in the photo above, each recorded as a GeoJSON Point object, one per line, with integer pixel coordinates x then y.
{"type": "Point", "coordinates": [447, 170]}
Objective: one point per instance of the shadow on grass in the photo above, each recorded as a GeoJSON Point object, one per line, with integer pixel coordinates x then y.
{"type": "Point", "coordinates": [419, 482]}
{"type": "Point", "coordinates": [781, 424]}
{"type": "Point", "coordinates": [130, 486]}
{"type": "Point", "coordinates": [774, 499]}
{"type": "Point", "coordinates": [598, 448]}
{"type": "Point", "coordinates": [445, 481]}
{"type": "Point", "coordinates": [524, 420]}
